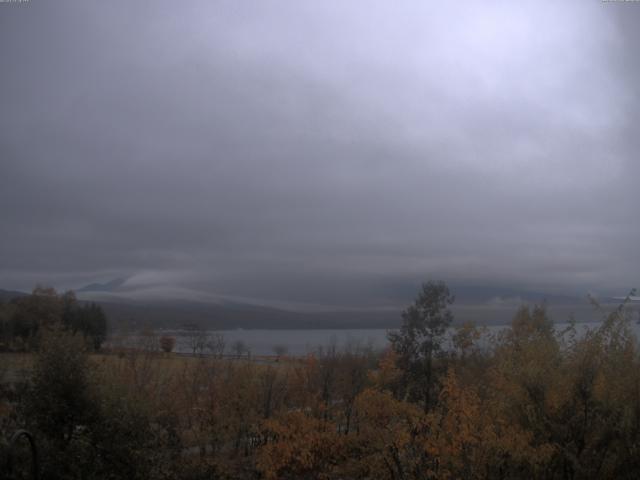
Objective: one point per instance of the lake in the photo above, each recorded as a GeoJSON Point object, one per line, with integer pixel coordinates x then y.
{"type": "Point", "coordinates": [301, 342]}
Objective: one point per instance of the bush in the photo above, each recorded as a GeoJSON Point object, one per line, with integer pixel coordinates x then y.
{"type": "Point", "coordinates": [167, 344]}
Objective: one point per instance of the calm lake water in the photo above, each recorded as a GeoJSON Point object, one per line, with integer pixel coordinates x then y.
{"type": "Point", "coordinates": [296, 342]}
{"type": "Point", "coordinates": [301, 342]}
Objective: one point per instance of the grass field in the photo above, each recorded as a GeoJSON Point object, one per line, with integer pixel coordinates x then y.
{"type": "Point", "coordinates": [17, 367]}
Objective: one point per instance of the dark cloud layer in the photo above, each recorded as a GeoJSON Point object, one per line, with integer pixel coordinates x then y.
{"type": "Point", "coordinates": [322, 152]}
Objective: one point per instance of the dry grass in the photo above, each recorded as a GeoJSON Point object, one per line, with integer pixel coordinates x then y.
{"type": "Point", "coordinates": [15, 367]}
{"type": "Point", "coordinates": [140, 367]}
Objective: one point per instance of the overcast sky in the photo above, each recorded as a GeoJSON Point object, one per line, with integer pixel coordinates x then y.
{"type": "Point", "coordinates": [327, 152]}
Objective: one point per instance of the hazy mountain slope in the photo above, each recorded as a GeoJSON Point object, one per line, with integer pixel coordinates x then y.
{"type": "Point", "coordinates": [134, 308]}
{"type": "Point", "coordinates": [6, 295]}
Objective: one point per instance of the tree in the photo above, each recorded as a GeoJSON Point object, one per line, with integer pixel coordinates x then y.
{"type": "Point", "coordinates": [59, 398]}
{"type": "Point", "coordinates": [239, 348]}
{"type": "Point", "coordinates": [197, 340]}
{"type": "Point", "coordinates": [60, 402]}
{"type": "Point", "coordinates": [420, 337]}
{"type": "Point", "coordinates": [87, 423]}
{"type": "Point", "coordinates": [40, 309]}
{"type": "Point", "coordinates": [45, 307]}
{"type": "Point", "coordinates": [6, 314]}
{"type": "Point", "coordinates": [88, 319]}
{"type": "Point", "coordinates": [465, 339]}
{"type": "Point", "coordinates": [298, 446]}
{"type": "Point", "coordinates": [216, 344]}
{"type": "Point", "coordinates": [167, 343]}
{"type": "Point", "coordinates": [387, 442]}
{"type": "Point", "coordinates": [92, 322]}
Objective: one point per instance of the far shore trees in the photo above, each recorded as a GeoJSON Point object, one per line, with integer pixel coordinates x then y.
{"type": "Point", "coordinates": [239, 348]}
{"type": "Point", "coordinates": [200, 342]}
{"type": "Point", "coordinates": [45, 308]}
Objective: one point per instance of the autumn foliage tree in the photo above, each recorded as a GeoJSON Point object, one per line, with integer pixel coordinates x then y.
{"type": "Point", "coordinates": [45, 307]}
{"type": "Point", "coordinates": [167, 344]}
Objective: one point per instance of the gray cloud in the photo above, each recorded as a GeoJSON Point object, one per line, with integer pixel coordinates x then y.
{"type": "Point", "coordinates": [322, 153]}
